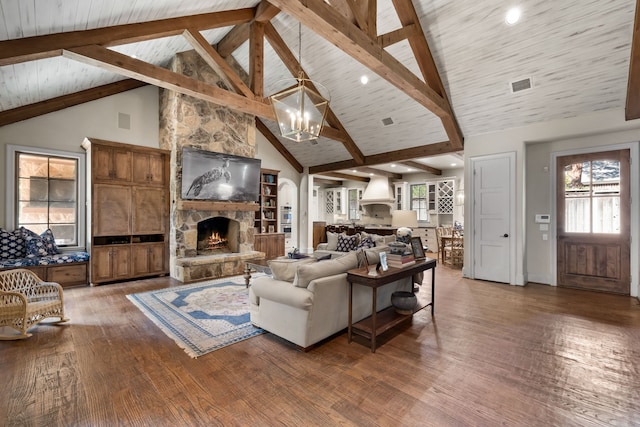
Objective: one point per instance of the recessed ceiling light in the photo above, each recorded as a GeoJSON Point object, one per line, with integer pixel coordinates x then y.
{"type": "Point", "coordinates": [354, 171]}
{"type": "Point", "coordinates": [453, 164]}
{"type": "Point", "coordinates": [371, 174]}
{"type": "Point", "coordinates": [364, 80]}
{"type": "Point", "coordinates": [513, 16]}
{"type": "Point", "coordinates": [409, 170]}
{"type": "Point", "coordinates": [393, 165]}
{"type": "Point", "coordinates": [134, 56]}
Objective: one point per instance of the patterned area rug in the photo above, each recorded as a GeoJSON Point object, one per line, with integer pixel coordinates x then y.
{"type": "Point", "coordinates": [201, 317]}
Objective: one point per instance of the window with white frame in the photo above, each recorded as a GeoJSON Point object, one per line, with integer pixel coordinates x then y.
{"type": "Point", "coordinates": [46, 191]}
{"type": "Point", "coordinates": [418, 201]}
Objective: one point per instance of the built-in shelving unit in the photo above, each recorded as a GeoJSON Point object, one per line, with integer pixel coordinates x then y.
{"type": "Point", "coordinates": [266, 219]}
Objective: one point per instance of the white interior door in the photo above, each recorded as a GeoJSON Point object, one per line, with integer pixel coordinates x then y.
{"type": "Point", "coordinates": [493, 189]}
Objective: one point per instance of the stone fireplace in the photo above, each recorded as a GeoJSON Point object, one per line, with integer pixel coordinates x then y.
{"type": "Point", "coordinates": [187, 121]}
{"type": "Point", "coordinates": [218, 235]}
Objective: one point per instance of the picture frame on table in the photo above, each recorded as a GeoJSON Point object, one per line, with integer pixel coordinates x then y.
{"type": "Point", "coordinates": [417, 248]}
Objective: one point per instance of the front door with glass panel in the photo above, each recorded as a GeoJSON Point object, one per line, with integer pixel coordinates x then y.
{"type": "Point", "coordinates": [593, 221]}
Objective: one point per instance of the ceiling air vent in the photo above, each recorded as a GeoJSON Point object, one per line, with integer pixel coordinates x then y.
{"type": "Point", "coordinates": [387, 121]}
{"type": "Point", "coordinates": [520, 85]}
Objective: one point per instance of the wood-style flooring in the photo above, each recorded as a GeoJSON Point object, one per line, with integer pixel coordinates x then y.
{"type": "Point", "coordinates": [493, 355]}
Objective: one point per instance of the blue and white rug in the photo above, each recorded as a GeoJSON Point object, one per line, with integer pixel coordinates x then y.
{"type": "Point", "coordinates": [201, 317]}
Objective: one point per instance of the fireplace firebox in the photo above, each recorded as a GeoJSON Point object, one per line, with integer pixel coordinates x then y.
{"type": "Point", "coordinates": [218, 235]}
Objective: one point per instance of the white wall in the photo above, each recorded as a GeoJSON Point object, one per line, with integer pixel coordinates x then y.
{"type": "Point", "coordinates": [533, 185]}
{"type": "Point", "coordinates": [66, 129]}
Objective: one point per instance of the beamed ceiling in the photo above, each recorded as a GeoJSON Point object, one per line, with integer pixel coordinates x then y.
{"type": "Point", "coordinates": [439, 70]}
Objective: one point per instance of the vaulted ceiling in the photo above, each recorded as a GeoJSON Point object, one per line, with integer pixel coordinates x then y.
{"type": "Point", "coordinates": [440, 70]}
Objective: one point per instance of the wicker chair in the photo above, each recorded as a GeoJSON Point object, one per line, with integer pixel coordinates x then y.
{"type": "Point", "coordinates": [25, 300]}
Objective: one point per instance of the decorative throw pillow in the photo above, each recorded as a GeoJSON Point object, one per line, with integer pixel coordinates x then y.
{"type": "Point", "coordinates": [324, 257]}
{"type": "Point", "coordinates": [366, 243]}
{"type": "Point", "coordinates": [332, 241]}
{"type": "Point", "coordinates": [11, 244]}
{"type": "Point", "coordinates": [39, 245]}
{"type": "Point", "coordinates": [285, 269]}
{"type": "Point", "coordinates": [346, 243]}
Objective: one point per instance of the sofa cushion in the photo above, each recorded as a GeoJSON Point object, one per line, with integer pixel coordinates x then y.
{"type": "Point", "coordinates": [332, 241]}
{"type": "Point", "coordinates": [281, 292]}
{"type": "Point", "coordinates": [308, 272]}
{"type": "Point", "coordinates": [63, 258]}
{"type": "Point", "coordinates": [347, 243]}
{"type": "Point", "coordinates": [285, 269]}
{"type": "Point", "coordinates": [18, 262]}
{"type": "Point", "coordinates": [11, 245]}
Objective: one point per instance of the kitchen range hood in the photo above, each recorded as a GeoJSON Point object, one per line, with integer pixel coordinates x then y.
{"type": "Point", "coordinates": [378, 192]}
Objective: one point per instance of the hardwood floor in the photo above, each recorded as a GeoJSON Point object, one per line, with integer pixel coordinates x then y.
{"type": "Point", "coordinates": [492, 355]}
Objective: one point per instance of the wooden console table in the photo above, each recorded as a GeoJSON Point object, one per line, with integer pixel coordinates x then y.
{"type": "Point", "coordinates": [381, 322]}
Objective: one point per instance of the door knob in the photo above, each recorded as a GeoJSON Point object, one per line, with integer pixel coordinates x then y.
{"type": "Point", "coordinates": [505, 235]}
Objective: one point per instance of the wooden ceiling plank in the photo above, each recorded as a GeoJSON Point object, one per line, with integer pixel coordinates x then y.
{"type": "Point", "coordinates": [344, 176]}
{"type": "Point", "coordinates": [125, 65]}
{"type": "Point", "coordinates": [388, 157]}
{"type": "Point", "coordinates": [217, 62]}
{"type": "Point", "coordinates": [380, 172]}
{"type": "Point", "coordinates": [256, 58]}
{"type": "Point", "coordinates": [294, 67]}
{"type": "Point", "coordinates": [264, 130]}
{"type": "Point", "coordinates": [65, 101]}
{"type": "Point", "coordinates": [422, 53]}
{"type": "Point", "coordinates": [39, 47]}
{"type": "Point", "coordinates": [422, 166]}
{"type": "Point", "coordinates": [393, 37]}
{"type": "Point", "coordinates": [319, 17]}
{"type": "Point", "coordinates": [632, 105]}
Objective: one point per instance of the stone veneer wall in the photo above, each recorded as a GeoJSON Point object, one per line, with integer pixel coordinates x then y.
{"type": "Point", "coordinates": [188, 121]}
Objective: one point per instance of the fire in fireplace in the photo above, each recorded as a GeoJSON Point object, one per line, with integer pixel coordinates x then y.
{"type": "Point", "coordinates": [218, 235]}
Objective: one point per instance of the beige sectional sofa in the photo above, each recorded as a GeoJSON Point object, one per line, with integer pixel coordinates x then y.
{"type": "Point", "coordinates": [307, 301]}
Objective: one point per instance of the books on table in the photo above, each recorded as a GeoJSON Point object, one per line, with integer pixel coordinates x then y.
{"type": "Point", "coordinates": [399, 261]}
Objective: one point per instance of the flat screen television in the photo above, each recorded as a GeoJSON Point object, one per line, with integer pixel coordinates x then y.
{"type": "Point", "coordinates": [207, 175]}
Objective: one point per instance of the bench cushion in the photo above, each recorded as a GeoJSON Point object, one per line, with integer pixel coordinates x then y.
{"type": "Point", "coordinates": [63, 258]}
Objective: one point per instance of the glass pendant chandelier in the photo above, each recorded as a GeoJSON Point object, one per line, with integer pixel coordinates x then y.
{"type": "Point", "coordinates": [300, 110]}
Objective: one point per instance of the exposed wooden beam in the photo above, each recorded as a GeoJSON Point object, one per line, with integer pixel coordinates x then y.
{"type": "Point", "coordinates": [388, 157]}
{"type": "Point", "coordinates": [329, 182]}
{"type": "Point", "coordinates": [39, 47]}
{"type": "Point", "coordinates": [125, 65]}
{"type": "Point", "coordinates": [239, 34]}
{"type": "Point", "coordinates": [61, 102]}
{"type": "Point", "coordinates": [393, 37]}
{"type": "Point", "coordinates": [217, 63]}
{"type": "Point", "coordinates": [264, 130]}
{"type": "Point", "coordinates": [256, 58]}
{"type": "Point", "coordinates": [379, 172]}
{"type": "Point", "coordinates": [294, 67]}
{"type": "Point", "coordinates": [632, 107]}
{"type": "Point", "coordinates": [345, 176]}
{"type": "Point", "coordinates": [418, 43]}
{"type": "Point", "coordinates": [422, 166]}
{"type": "Point", "coordinates": [319, 17]}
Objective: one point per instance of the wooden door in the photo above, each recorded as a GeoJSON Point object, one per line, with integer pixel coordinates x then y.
{"type": "Point", "coordinates": [149, 210]}
{"type": "Point", "coordinates": [101, 267]}
{"type": "Point", "coordinates": [111, 210]}
{"type": "Point", "coordinates": [157, 258]}
{"type": "Point", "coordinates": [121, 165]}
{"type": "Point", "coordinates": [121, 259]}
{"type": "Point", "coordinates": [140, 259]}
{"type": "Point", "coordinates": [102, 160]}
{"type": "Point", "coordinates": [493, 210]}
{"type": "Point", "coordinates": [156, 169]}
{"type": "Point", "coordinates": [593, 226]}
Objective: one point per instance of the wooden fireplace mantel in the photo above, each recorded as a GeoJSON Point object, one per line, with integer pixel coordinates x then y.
{"type": "Point", "coordinates": [206, 205]}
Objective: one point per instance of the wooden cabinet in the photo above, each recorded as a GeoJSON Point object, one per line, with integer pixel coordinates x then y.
{"type": "Point", "coordinates": [149, 215]}
{"type": "Point", "coordinates": [148, 259]}
{"type": "Point", "coordinates": [266, 219]}
{"type": "Point", "coordinates": [319, 233]}
{"type": "Point", "coordinates": [110, 263]}
{"type": "Point", "coordinates": [272, 244]}
{"type": "Point", "coordinates": [148, 168]}
{"type": "Point", "coordinates": [129, 211]}
{"type": "Point", "coordinates": [111, 210]}
{"type": "Point", "coordinates": [111, 163]}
